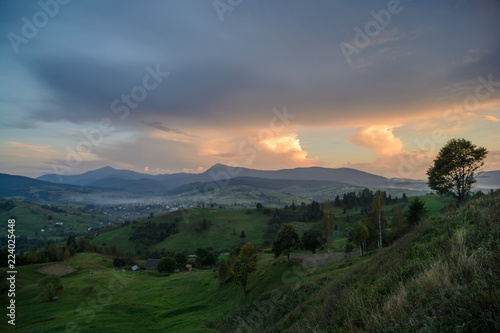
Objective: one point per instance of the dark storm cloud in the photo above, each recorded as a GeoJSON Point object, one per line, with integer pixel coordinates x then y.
{"type": "Point", "coordinates": [264, 55]}
{"type": "Point", "coordinates": [161, 127]}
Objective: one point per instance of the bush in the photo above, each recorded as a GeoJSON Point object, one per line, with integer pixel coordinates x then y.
{"type": "Point", "coordinates": [119, 262]}
{"type": "Point", "coordinates": [166, 265]}
{"type": "Point", "coordinates": [49, 287]}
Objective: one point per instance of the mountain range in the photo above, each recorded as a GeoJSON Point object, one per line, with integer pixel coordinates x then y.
{"type": "Point", "coordinates": [297, 181]}
{"type": "Point", "coordinates": [223, 175]}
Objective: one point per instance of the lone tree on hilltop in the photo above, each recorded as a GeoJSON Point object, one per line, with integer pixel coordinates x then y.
{"type": "Point", "coordinates": [454, 168]}
{"type": "Point", "coordinates": [286, 240]}
{"type": "Point", "coordinates": [245, 264]}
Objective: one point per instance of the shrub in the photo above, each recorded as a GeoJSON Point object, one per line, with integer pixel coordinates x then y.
{"type": "Point", "coordinates": [49, 287]}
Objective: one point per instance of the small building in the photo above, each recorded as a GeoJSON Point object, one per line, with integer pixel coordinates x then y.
{"type": "Point", "coordinates": [134, 268]}
{"type": "Point", "coordinates": [189, 267]}
{"type": "Point", "coordinates": [152, 264]}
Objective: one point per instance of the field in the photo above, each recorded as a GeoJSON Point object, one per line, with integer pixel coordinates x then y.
{"type": "Point", "coordinates": [144, 301]}
{"type": "Point", "coordinates": [432, 280]}
{"type": "Point", "coordinates": [31, 218]}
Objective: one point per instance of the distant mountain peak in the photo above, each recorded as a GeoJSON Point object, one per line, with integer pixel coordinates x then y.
{"type": "Point", "coordinates": [104, 169]}
{"type": "Point", "coordinates": [216, 167]}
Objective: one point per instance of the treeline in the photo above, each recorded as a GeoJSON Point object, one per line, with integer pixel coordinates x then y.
{"type": "Point", "coordinates": [5, 206]}
{"type": "Point", "coordinates": [149, 233]}
{"type": "Point", "coordinates": [52, 253]}
{"type": "Point", "coordinates": [373, 228]}
{"type": "Point", "coordinates": [54, 209]}
{"type": "Point", "coordinates": [301, 213]}
{"type": "Point", "coordinates": [24, 243]}
{"type": "Point", "coordinates": [365, 198]}
{"type": "Point", "coordinates": [313, 212]}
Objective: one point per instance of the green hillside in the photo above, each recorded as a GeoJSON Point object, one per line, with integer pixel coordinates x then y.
{"type": "Point", "coordinates": [442, 276]}
{"type": "Point", "coordinates": [226, 226]}
{"type": "Point", "coordinates": [224, 231]}
{"type": "Point", "coordinates": [31, 218]}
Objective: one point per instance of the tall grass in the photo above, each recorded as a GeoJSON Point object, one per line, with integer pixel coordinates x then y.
{"type": "Point", "coordinates": [442, 276]}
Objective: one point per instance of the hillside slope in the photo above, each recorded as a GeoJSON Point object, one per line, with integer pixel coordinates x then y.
{"type": "Point", "coordinates": [443, 276]}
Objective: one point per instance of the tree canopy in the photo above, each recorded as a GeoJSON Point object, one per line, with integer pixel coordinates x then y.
{"type": "Point", "coordinates": [312, 239]}
{"type": "Point", "coordinates": [327, 226]}
{"type": "Point", "coordinates": [49, 287]}
{"type": "Point", "coordinates": [416, 211]}
{"type": "Point", "coordinates": [166, 265]}
{"type": "Point", "coordinates": [180, 260]}
{"type": "Point", "coordinates": [454, 168]}
{"type": "Point", "coordinates": [398, 222]}
{"type": "Point", "coordinates": [286, 240]}
{"type": "Point", "coordinates": [205, 257]}
{"type": "Point", "coordinates": [360, 236]}
{"type": "Point", "coordinates": [245, 264]}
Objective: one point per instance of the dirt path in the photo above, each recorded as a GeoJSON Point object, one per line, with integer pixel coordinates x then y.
{"type": "Point", "coordinates": [311, 260]}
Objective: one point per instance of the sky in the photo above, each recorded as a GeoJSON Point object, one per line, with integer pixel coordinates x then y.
{"type": "Point", "coordinates": [178, 86]}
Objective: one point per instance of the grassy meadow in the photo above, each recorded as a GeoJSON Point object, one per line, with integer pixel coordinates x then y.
{"type": "Point", "coordinates": [36, 217]}
{"type": "Point", "coordinates": [441, 276]}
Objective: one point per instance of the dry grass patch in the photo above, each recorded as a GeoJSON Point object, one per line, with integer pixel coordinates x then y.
{"type": "Point", "coordinates": [397, 304]}
{"type": "Point", "coordinates": [56, 269]}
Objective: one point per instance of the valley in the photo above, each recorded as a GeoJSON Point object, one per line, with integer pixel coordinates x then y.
{"type": "Point", "coordinates": [283, 297]}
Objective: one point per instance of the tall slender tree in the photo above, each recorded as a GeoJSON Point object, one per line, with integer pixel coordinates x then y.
{"type": "Point", "coordinates": [360, 237]}
{"type": "Point", "coordinates": [398, 222]}
{"type": "Point", "coordinates": [378, 205]}
{"type": "Point", "coordinates": [245, 264]}
{"type": "Point", "coordinates": [327, 225]}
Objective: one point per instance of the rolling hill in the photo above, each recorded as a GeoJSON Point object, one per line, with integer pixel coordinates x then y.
{"type": "Point", "coordinates": [441, 276]}
{"type": "Point", "coordinates": [55, 221]}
